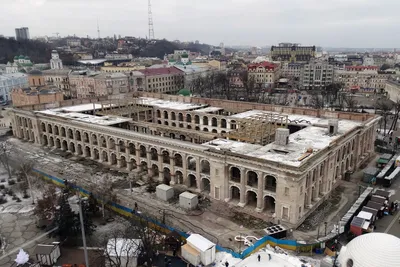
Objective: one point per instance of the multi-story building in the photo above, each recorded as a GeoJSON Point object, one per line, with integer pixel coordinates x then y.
{"type": "Point", "coordinates": [292, 69]}
{"type": "Point", "coordinates": [392, 88]}
{"type": "Point", "coordinates": [191, 72]}
{"type": "Point", "coordinates": [282, 165]}
{"type": "Point", "coordinates": [294, 53]}
{"type": "Point", "coordinates": [9, 81]}
{"type": "Point", "coordinates": [122, 69]}
{"type": "Point", "coordinates": [163, 80]}
{"type": "Point", "coordinates": [22, 33]}
{"type": "Point", "coordinates": [316, 75]}
{"type": "Point", "coordinates": [37, 92]}
{"type": "Point", "coordinates": [86, 84]}
{"type": "Point", "coordinates": [367, 79]}
{"type": "Point", "coordinates": [116, 56]}
{"type": "Point", "coordinates": [236, 77]}
{"type": "Point", "coordinates": [361, 68]}
{"type": "Point", "coordinates": [21, 63]}
{"type": "Point", "coordinates": [73, 42]}
{"type": "Point", "coordinates": [265, 74]}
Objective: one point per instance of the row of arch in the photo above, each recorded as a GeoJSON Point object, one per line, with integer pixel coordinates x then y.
{"type": "Point", "coordinates": [251, 198]}
{"type": "Point", "coordinates": [196, 119]}
{"type": "Point", "coordinates": [189, 127]}
{"type": "Point", "coordinates": [252, 179]}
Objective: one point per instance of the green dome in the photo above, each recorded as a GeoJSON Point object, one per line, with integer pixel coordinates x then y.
{"type": "Point", "coordinates": [185, 55]}
{"type": "Point", "coordinates": [16, 57]}
{"type": "Point", "coordinates": [21, 57]}
{"type": "Point", "coordinates": [184, 92]}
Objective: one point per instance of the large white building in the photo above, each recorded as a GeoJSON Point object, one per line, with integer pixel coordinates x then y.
{"type": "Point", "coordinates": [10, 81]}
{"type": "Point", "coordinates": [22, 33]}
{"type": "Point", "coordinates": [279, 161]}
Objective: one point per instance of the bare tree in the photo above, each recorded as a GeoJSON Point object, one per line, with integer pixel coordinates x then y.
{"type": "Point", "coordinates": [102, 188]}
{"type": "Point", "coordinates": [351, 103]}
{"type": "Point", "coordinates": [317, 100]}
{"type": "Point", "coordinates": [5, 151]}
{"type": "Point", "coordinates": [121, 247]}
{"type": "Point", "coordinates": [384, 106]}
{"type": "Point", "coordinates": [26, 169]}
{"type": "Point", "coordinates": [46, 205]}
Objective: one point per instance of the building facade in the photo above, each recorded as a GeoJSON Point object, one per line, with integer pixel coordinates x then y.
{"type": "Point", "coordinates": [316, 75]}
{"type": "Point", "coordinates": [392, 88]}
{"type": "Point", "coordinates": [86, 84]}
{"type": "Point", "coordinates": [293, 53]}
{"type": "Point", "coordinates": [292, 69]}
{"type": "Point", "coordinates": [284, 186]}
{"type": "Point", "coordinates": [22, 33]}
{"type": "Point", "coordinates": [163, 80]}
{"type": "Point", "coordinates": [368, 79]}
{"type": "Point", "coordinates": [265, 74]}
{"type": "Point", "coordinates": [36, 95]}
{"type": "Point", "coordinates": [10, 81]}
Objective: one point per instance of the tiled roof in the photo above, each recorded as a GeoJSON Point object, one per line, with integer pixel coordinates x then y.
{"type": "Point", "coordinates": [265, 64]}
{"type": "Point", "coordinates": [161, 71]}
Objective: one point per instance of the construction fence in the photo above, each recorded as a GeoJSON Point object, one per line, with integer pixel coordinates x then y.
{"type": "Point", "coordinates": [128, 212]}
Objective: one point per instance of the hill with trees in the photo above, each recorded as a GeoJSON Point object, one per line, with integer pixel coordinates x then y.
{"type": "Point", "coordinates": [38, 52]}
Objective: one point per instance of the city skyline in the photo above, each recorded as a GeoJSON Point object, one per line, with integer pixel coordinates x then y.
{"type": "Point", "coordinates": [333, 23]}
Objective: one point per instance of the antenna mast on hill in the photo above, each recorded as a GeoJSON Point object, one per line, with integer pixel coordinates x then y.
{"type": "Point", "coordinates": [151, 27]}
{"type": "Point", "coordinates": [98, 29]}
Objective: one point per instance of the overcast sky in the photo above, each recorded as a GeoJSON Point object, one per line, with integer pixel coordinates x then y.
{"type": "Point", "coordinates": [335, 23]}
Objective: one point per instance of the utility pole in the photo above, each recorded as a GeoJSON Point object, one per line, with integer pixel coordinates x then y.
{"type": "Point", "coordinates": [151, 27]}
{"type": "Point", "coordinates": [83, 230]}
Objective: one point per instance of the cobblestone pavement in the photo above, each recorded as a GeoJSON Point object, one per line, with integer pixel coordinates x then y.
{"type": "Point", "coordinates": [19, 231]}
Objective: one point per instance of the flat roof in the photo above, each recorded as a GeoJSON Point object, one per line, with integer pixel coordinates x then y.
{"type": "Point", "coordinates": [311, 138]}
{"type": "Point", "coordinates": [82, 108]}
{"type": "Point", "coordinates": [101, 120]}
{"type": "Point", "coordinates": [156, 102]}
{"type": "Point", "coordinates": [209, 109]}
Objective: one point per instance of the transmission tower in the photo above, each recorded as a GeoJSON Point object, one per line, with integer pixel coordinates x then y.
{"type": "Point", "coordinates": [98, 29]}
{"type": "Point", "coordinates": [151, 27]}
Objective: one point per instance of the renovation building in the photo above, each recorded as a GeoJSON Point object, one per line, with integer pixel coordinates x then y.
{"type": "Point", "coordinates": [279, 161]}
{"type": "Point", "coordinates": [265, 74]}
{"type": "Point", "coordinates": [293, 53]}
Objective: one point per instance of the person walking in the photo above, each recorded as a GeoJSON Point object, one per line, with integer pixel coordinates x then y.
{"type": "Point", "coordinates": [259, 257]}
{"type": "Point", "coordinates": [269, 256]}
{"type": "Point", "coordinates": [226, 264]}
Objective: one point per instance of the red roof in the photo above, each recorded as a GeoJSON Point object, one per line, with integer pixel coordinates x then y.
{"type": "Point", "coordinates": [161, 71]}
{"type": "Point", "coordinates": [265, 64]}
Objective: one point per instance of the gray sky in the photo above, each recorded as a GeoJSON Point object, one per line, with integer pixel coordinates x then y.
{"type": "Point", "coordinates": [337, 23]}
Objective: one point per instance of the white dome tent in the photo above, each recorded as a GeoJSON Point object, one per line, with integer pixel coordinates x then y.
{"type": "Point", "coordinates": [371, 250]}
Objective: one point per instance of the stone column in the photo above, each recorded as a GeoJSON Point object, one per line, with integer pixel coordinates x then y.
{"type": "Point", "coordinates": [198, 175]}
{"type": "Point", "coordinates": [184, 168]}
{"type": "Point", "coordinates": [242, 202]}
{"type": "Point", "coordinates": [160, 168]}
{"type": "Point", "coordinates": [260, 191]}
{"type": "Point", "coordinates": [309, 196]}
{"type": "Point", "coordinates": [172, 164]}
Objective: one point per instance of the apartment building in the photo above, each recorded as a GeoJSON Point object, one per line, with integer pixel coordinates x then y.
{"type": "Point", "coordinates": [86, 84]}
{"type": "Point", "coordinates": [368, 79]}
{"type": "Point", "coordinates": [316, 75]}
{"type": "Point", "coordinates": [292, 69]}
{"type": "Point", "coordinates": [163, 80]}
{"type": "Point", "coordinates": [265, 74]}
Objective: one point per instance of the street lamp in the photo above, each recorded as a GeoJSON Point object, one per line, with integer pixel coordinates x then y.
{"type": "Point", "coordinates": [80, 200]}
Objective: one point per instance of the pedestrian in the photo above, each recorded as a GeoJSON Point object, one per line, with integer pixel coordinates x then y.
{"type": "Point", "coordinates": [259, 257]}
{"type": "Point", "coordinates": [269, 257]}
{"type": "Point", "coordinates": [136, 206]}
{"type": "Point", "coordinates": [165, 261]}
{"type": "Point", "coordinates": [226, 264]}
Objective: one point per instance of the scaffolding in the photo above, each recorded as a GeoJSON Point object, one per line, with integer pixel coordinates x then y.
{"type": "Point", "coordinates": [258, 129]}
{"type": "Point", "coordinates": [132, 108]}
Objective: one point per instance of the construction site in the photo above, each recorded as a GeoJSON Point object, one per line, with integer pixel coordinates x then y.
{"type": "Point", "coordinates": [255, 165]}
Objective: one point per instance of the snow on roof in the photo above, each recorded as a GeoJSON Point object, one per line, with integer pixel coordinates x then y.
{"type": "Point", "coordinates": [371, 250]}
{"type": "Point", "coordinates": [168, 104]}
{"type": "Point", "coordinates": [277, 260]}
{"type": "Point", "coordinates": [82, 108]}
{"type": "Point", "coordinates": [92, 61]}
{"type": "Point", "coordinates": [101, 120]}
{"type": "Point", "coordinates": [199, 242]}
{"type": "Point", "coordinates": [314, 137]}
{"type": "Point", "coordinates": [209, 109]}
{"type": "Point", "coordinates": [123, 247]}
{"type": "Point", "coordinates": [365, 215]}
